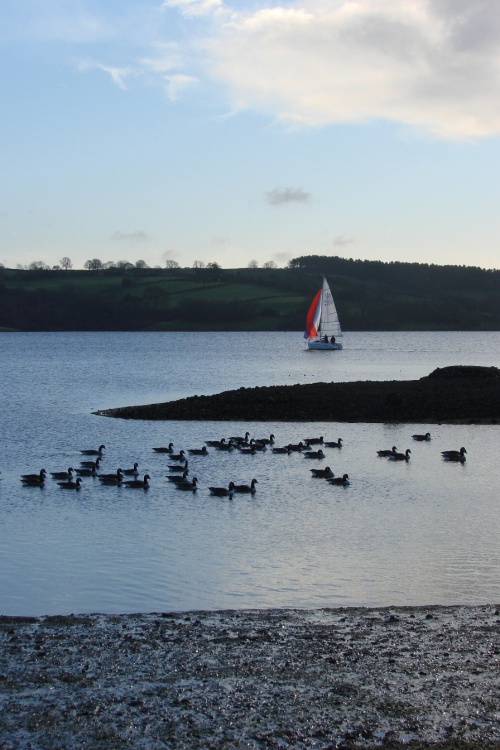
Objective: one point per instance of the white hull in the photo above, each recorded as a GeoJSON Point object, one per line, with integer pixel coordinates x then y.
{"type": "Point", "coordinates": [323, 345]}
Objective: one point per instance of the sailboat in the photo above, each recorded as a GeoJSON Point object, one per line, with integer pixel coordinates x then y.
{"type": "Point", "coordinates": [322, 322]}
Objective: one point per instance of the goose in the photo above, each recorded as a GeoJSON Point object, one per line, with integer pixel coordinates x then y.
{"type": "Point", "coordinates": [188, 485]}
{"type": "Point", "coordinates": [70, 485]}
{"type": "Point", "coordinates": [246, 487]}
{"type": "Point", "coordinates": [181, 456]}
{"type": "Point", "coordinates": [86, 472]}
{"type": "Point", "coordinates": [454, 455]}
{"type": "Point", "coordinates": [266, 441]}
{"type": "Point", "coordinates": [198, 451]}
{"type": "Point", "coordinates": [90, 464]}
{"type": "Point", "coordinates": [178, 478]}
{"type": "Point", "coordinates": [225, 446]}
{"type": "Point", "coordinates": [285, 450]}
{"type": "Point", "coordinates": [325, 473]}
{"type": "Point", "coordinates": [400, 456]}
{"type": "Point", "coordinates": [178, 467]}
{"type": "Point", "coordinates": [343, 480]}
{"type": "Point", "coordinates": [63, 474]}
{"type": "Point", "coordinates": [314, 454]}
{"type": "Point", "coordinates": [385, 453]}
{"type": "Point", "coordinates": [249, 450]}
{"type": "Point", "coordinates": [333, 444]}
{"type": "Point", "coordinates": [40, 477]}
{"type": "Point", "coordinates": [215, 443]}
{"type": "Point", "coordinates": [111, 478]}
{"type": "Point", "coordinates": [297, 447]}
{"type": "Point", "coordinates": [165, 449]}
{"type": "Point", "coordinates": [257, 446]}
{"type": "Point", "coordinates": [137, 484]}
{"type": "Point", "coordinates": [222, 491]}
{"type": "Point", "coordinates": [315, 441]}
{"type": "Point", "coordinates": [93, 452]}
{"type": "Point", "coordinates": [132, 472]}
{"type": "Point", "coordinates": [427, 436]}
{"type": "Point", "coordinates": [238, 439]}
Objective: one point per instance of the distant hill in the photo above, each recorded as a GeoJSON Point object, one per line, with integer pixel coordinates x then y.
{"type": "Point", "coordinates": [370, 295]}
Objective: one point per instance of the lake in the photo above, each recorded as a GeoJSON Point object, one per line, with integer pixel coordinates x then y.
{"type": "Point", "coordinates": [422, 532]}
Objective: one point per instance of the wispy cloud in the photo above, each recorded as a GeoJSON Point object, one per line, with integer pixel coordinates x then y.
{"type": "Point", "coordinates": [117, 75]}
{"type": "Point", "coordinates": [341, 242]}
{"type": "Point", "coordinates": [136, 236]}
{"type": "Point", "coordinates": [281, 196]}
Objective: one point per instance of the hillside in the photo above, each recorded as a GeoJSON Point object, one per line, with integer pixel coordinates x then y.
{"type": "Point", "coordinates": [369, 295]}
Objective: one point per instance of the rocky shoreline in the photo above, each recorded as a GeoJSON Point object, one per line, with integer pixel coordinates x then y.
{"type": "Point", "coordinates": [412, 677]}
{"type": "Point", "coordinates": [452, 394]}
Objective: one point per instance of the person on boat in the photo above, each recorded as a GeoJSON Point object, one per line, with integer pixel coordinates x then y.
{"type": "Point", "coordinates": [325, 339]}
{"type": "Point", "coordinates": [332, 340]}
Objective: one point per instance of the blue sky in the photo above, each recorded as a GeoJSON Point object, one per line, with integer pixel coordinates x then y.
{"type": "Point", "coordinates": [198, 130]}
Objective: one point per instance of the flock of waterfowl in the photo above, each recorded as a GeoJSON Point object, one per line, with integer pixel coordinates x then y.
{"type": "Point", "coordinates": [179, 469]}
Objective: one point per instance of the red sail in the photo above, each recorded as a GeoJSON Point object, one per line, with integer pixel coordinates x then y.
{"type": "Point", "coordinates": [313, 317]}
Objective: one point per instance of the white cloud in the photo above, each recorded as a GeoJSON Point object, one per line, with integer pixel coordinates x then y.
{"type": "Point", "coordinates": [433, 64]}
{"type": "Point", "coordinates": [194, 7]}
{"type": "Point", "coordinates": [117, 75]}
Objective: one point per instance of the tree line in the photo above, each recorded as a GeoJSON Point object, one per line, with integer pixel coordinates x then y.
{"type": "Point", "coordinates": [370, 295]}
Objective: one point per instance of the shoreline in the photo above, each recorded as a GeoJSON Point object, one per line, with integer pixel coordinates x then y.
{"type": "Point", "coordinates": [390, 677]}
{"type": "Point", "coordinates": [454, 395]}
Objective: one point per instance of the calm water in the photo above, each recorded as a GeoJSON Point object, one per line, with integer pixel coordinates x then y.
{"type": "Point", "coordinates": [418, 533]}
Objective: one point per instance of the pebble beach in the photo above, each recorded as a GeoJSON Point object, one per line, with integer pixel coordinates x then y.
{"type": "Point", "coordinates": [330, 678]}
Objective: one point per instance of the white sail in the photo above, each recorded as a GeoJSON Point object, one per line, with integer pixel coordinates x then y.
{"type": "Point", "coordinates": [330, 324]}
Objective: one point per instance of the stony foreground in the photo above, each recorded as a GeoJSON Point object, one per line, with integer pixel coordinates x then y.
{"type": "Point", "coordinates": [337, 678]}
{"type": "Point", "coordinates": [450, 394]}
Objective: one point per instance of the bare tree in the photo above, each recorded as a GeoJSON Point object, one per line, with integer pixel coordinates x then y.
{"type": "Point", "coordinates": [93, 265]}
{"type": "Point", "coordinates": [198, 264]}
{"type": "Point", "coordinates": [141, 264]}
{"type": "Point", "coordinates": [38, 265]}
{"type": "Point", "coordinates": [66, 263]}
{"type": "Point", "coordinates": [270, 264]}
{"type": "Point", "coordinates": [253, 264]}
{"type": "Point", "coordinates": [171, 264]}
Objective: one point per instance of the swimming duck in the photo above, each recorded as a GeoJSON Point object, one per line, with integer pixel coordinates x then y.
{"type": "Point", "coordinates": [249, 450]}
{"type": "Point", "coordinates": [198, 451]}
{"type": "Point", "coordinates": [246, 487]}
{"type": "Point", "coordinates": [314, 454]}
{"type": "Point", "coordinates": [70, 485]}
{"type": "Point", "coordinates": [315, 441]}
{"type": "Point", "coordinates": [386, 453]}
{"type": "Point", "coordinates": [93, 452]}
{"type": "Point", "coordinates": [454, 455]}
{"type": "Point", "coordinates": [165, 449]}
{"type": "Point", "coordinates": [40, 477]}
{"type": "Point", "coordinates": [178, 478]}
{"type": "Point", "coordinates": [63, 474]}
{"type": "Point", "coordinates": [325, 473]}
{"type": "Point", "coordinates": [91, 464]}
{"type": "Point", "coordinates": [333, 444]}
{"type": "Point", "coordinates": [400, 456]}
{"type": "Point", "coordinates": [225, 446]}
{"type": "Point", "coordinates": [112, 478]}
{"type": "Point", "coordinates": [188, 485]}
{"type": "Point", "coordinates": [343, 480]}
{"type": "Point", "coordinates": [222, 491]}
{"type": "Point", "coordinates": [427, 436]}
{"type": "Point", "coordinates": [137, 484]}
{"type": "Point", "coordinates": [132, 472]}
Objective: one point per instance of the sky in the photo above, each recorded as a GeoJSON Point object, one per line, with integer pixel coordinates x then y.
{"type": "Point", "coordinates": [231, 132]}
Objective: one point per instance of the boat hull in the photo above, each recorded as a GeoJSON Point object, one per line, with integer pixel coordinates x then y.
{"type": "Point", "coordinates": [323, 345]}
